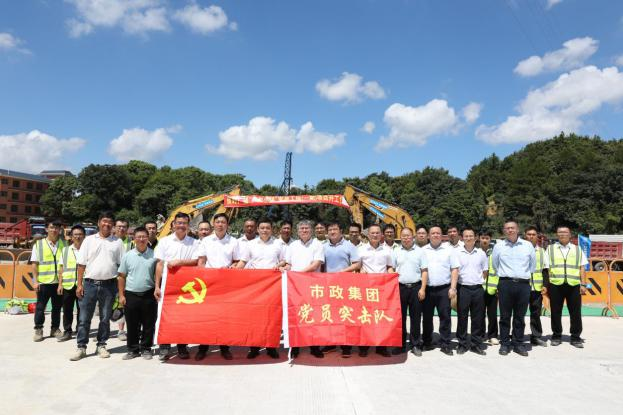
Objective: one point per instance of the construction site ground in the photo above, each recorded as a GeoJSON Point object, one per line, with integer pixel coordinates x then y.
{"type": "Point", "coordinates": [38, 378]}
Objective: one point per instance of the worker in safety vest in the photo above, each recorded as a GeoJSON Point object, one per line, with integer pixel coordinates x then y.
{"type": "Point", "coordinates": [45, 259]}
{"type": "Point", "coordinates": [68, 276]}
{"type": "Point", "coordinates": [121, 232]}
{"type": "Point", "coordinates": [490, 286]}
{"type": "Point", "coordinates": [567, 282]}
{"type": "Point", "coordinates": [537, 287]}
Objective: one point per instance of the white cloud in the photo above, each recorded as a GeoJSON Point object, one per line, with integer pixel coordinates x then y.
{"type": "Point", "coordinates": [204, 20]}
{"type": "Point", "coordinates": [133, 16]}
{"type": "Point", "coordinates": [36, 151]}
{"type": "Point", "coordinates": [8, 42]}
{"type": "Point", "coordinates": [368, 127]}
{"type": "Point", "coordinates": [552, 3]}
{"type": "Point", "coordinates": [572, 55]}
{"type": "Point", "coordinates": [141, 144]}
{"type": "Point", "coordinates": [263, 139]}
{"type": "Point", "coordinates": [471, 112]}
{"type": "Point", "coordinates": [558, 106]}
{"type": "Point", "coordinates": [349, 88]}
{"type": "Point", "coordinates": [619, 60]}
{"type": "Point", "coordinates": [415, 125]}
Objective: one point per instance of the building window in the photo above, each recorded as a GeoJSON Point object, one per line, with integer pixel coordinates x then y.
{"type": "Point", "coordinates": [16, 183]}
{"type": "Point", "coordinates": [37, 197]}
{"type": "Point", "coordinates": [14, 208]}
{"type": "Point", "coordinates": [28, 185]}
{"type": "Point", "coordinates": [4, 181]}
{"type": "Point", "coordinates": [14, 196]}
{"type": "Point", "coordinates": [39, 186]}
{"type": "Point", "coordinates": [2, 219]}
{"type": "Point", "coordinates": [13, 219]}
{"type": "Point", "coordinates": [2, 206]}
{"type": "Point", "coordinates": [28, 197]}
{"type": "Point", "coordinates": [28, 209]}
{"type": "Point", "coordinates": [37, 210]}
{"type": "Point", "coordinates": [3, 193]}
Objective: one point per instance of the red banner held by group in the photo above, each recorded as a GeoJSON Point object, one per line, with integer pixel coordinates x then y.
{"type": "Point", "coordinates": [344, 309]}
{"type": "Point", "coordinates": [221, 306]}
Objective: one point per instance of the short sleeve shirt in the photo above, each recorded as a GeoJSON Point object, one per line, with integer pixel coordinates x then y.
{"type": "Point", "coordinates": [409, 264]}
{"type": "Point", "coordinates": [264, 255]}
{"type": "Point", "coordinates": [139, 269]}
{"type": "Point", "coordinates": [441, 261]}
{"type": "Point", "coordinates": [375, 260]}
{"type": "Point", "coordinates": [473, 263]}
{"type": "Point", "coordinates": [170, 248]}
{"type": "Point", "coordinates": [340, 255]}
{"type": "Point", "coordinates": [300, 255]}
{"type": "Point", "coordinates": [219, 252]}
{"type": "Point", "coordinates": [101, 256]}
{"type": "Point", "coordinates": [34, 255]}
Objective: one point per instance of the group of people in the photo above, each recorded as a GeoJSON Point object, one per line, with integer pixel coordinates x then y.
{"type": "Point", "coordinates": [111, 271]}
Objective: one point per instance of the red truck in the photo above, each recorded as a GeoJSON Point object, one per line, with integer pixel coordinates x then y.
{"type": "Point", "coordinates": [22, 234]}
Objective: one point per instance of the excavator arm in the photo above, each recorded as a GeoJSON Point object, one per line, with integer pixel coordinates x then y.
{"type": "Point", "coordinates": [385, 211]}
{"type": "Point", "coordinates": [194, 206]}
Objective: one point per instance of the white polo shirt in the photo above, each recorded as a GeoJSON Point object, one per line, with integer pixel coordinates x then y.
{"type": "Point", "coordinates": [441, 261]}
{"type": "Point", "coordinates": [300, 255]}
{"type": "Point", "coordinates": [101, 256]}
{"type": "Point", "coordinates": [282, 242]}
{"type": "Point", "coordinates": [170, 248]}
{"type": "Point", "coordinates": [264, 255]}
{"type": "Point", "coordinates": [375, 260]}
{"type": "Point", "coordinates": [219, 253]}
{"type": "Point", "coordinates": [473, 263]}
{"type": "Point", "coordinates": [243, 239]}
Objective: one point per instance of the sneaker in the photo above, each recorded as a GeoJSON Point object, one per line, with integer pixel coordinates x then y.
{"type": "Point", "coordinates": [102, 352]}
{"type": "Point", "coordinates": [38, 337]}
{"type": "Point", "coordinates": [56, 333]}
{"type": "Point", "coordinates": [79, 354]}
{"type": "Point", "coordinates": [164, 354]}
{"type": "Point", "coordinates": [146, 354]}
{"type": "Point", "coordinates": [131, 355]}
{"type": "Point", "coordinates": [122, 335]}
{"type": "Point", "coordinates": [66, 336]}
{"type": "Point", "coordinates": [577, 344]}
{"type": "Point", "coordinates": [493, 341]}
{"type": "Point", "coordinates": [538, 342]}
{"type": "Point", "coordinates": [555, 342]}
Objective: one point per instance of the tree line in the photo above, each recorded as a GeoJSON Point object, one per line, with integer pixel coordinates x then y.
{"type": "Point", "coordinates": [570, 179]}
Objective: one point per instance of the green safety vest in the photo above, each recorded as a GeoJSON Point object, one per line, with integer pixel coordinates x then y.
{"type": "Point", "coordinates": [47, 267]}
{"type": "Point", "coordinates": [491, 284]}
{"type": "Point", "coordinates": [536, 281]}
{"type": "Point", "coordinates": [564, 270]}
{"type": "Point", "coordinates": [70, 270]}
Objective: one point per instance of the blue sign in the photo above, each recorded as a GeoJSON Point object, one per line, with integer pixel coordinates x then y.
{"type": "Point", "coordinates": [585, 245]}
{"type": "Point", "coordinates": [378, 204]}
{"type": "Point", "coordinates": [377, 213]}
{"type": "Point", "coordinates": [204, 203]}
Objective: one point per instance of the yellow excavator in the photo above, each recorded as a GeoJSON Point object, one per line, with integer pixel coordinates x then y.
{"type": "Point", "coordinates": [195, 207]}
{"type": "Point", "coordinates": [385, 211]}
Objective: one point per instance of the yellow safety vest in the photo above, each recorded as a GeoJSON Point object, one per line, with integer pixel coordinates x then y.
{"type": "Point", "coordinates": [491, 284]}
{"type": "Point", "coordinates": [70, 269]}
{"type": "Point", "coordinates": [128, 244]}
{"type": "Point", "coordinates": [47, 267]}
{"type": "Point", "coordinates": [536, 281]}
{"type": "Point", "coordinates": [564, 270]}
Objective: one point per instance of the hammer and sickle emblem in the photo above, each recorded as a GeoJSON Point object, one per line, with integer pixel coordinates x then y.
{"type": "Point", "coordinates": [197, 297]}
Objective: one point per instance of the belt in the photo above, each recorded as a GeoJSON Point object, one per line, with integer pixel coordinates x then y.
{"type": "Point", "coordinates": [471, 287]}
{"type": "Point", "coordinates": [520, 280]}
{"type": "Point", "coordinates": [438, 287]}
{"type": "Point", "coordinates": [410, 284]}
{"type": "Point", "coordinates": [141, 293]}
{"type": "Point", "coordinates": [101, 282]}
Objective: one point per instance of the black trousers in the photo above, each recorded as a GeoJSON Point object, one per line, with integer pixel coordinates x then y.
{"type": "Point", "coordinates": [437, 298]}
{"type": "Point", "coordinates": [69, 299]}
{"type": "Point", "coordinates": [514, 298]}
{"type": "Point", "coordinates": [470, 303]}
{"type": "Point", "coordinates": [141, 310]}
{"type": "Point", "coordinates": [410, 303]}
{"type": "Point", "coordinates": [490, 316]}
{"type": "Point", "coordinates": [558, 294]}
{"type": "Point", "coordinates": [46, 293]}
{"type": "Point", "coordinates": [536, 305]}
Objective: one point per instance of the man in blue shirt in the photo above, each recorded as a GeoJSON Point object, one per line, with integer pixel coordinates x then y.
{"type": "Point", "coordinates": [136, 295]}
{"type": "Point", "coordinates": [514, 261]}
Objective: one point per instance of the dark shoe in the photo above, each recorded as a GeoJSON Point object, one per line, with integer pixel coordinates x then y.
{"type": "Point", "coordinates": [56, 333]}
{"type": "Point", "coordinates": [478, 351]}
{"type": "Point", "coordinates": [66, 336]}
{"type": "Point", "coordinates": [182, 353]}
{"type": "Point", "coordinates": [417, 351]}
{"type": "Point", "coordinates": [363, 352]}
{"type": "Point", "coordinates": [346, 354]}
{"type": "Point", "coordinates": [201, 354]}
{"type": "Point", "coordinates": [294, 352]}
{"type": "Point", "coordinates": [429, 347]}
{"type": "Point", "coordinates": [38, 337]}
{"type": "Point", "coordinates": [226, 354]}
{"type": "Point", "coordinates": [316, 353]}
{"type": "Point", "coordinates": [131, 355]}
{"type": "Point", "coordinates": [328, 349]}
{"type": "Point", "coordinates": [253, 353]}
{"type": "Point", "coordinates": [447, 351]}
{"type": "Point", "coordinates": [578, 344]}
{"type": "Point", "coordinates": [520, 351]}
{"type": "Point", "coordinates": [555, 342]}
{"type": "Point", "coordinates": [538, 342]}
{"type": "Point", "coordinates": [399, 350]}
{"type": "Point", "coordinates": [504, 350]}
{"type": "Point", "coordinates": [461, 350]}
{"type": "Point", "coordinates": [272, 353]}
{"type": "Point", "coordinates": [146, 354]}
{"type": "Point", "coordinates": [383, 352]}
{"type": "Point", "coordinates": [164, 354]}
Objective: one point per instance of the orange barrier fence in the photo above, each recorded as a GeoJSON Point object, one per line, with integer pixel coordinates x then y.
{"type": "Point", "coordinates": [23, 281]}
{"type": "Point", "coordinates": [616, 282]}
{"type": "Point", "coordinates": [7, 273]}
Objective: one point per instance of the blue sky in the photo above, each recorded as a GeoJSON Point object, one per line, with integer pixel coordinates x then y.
{"type": "Point", "coordinates": [230, 86]}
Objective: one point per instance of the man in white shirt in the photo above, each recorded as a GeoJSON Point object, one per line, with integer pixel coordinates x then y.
{"type": "Point", "coordinates": [218, 250]}
{"type": "Point", "coordinates": [204, 228]}
{"type": "Point", "coordinates": [98, 259]}
{"type": "Point", "coordinates": [473, 270]}
{"type": "Point", "coordinates": [249, 229]}
{"type": "Point", "coordinates": [285, 233]}
{"type": "Point", "coordinates": [389, 236]}
{"type": "Point", "coordinates": [305, 255]}
{"type": "Point", "coordinates": [320, 230]}
{"type": "Point", "coordinates": [376, 258]}
{"type": "Point", "coordinates": [454, 239]}
{"type": "Point", "coordinates": [264, 252]}
{"type": "Point", "coordinates": [176, 250]}
{"type": "Point", "coordinates": [443, 274]}
{"type": "Point", "coordinates": [354, 235]}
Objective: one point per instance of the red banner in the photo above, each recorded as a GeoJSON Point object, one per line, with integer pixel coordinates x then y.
{"type": "Point", "coordinates": [259, 200]}
{"type": "Point", "coordinates": [344, 309]}
{"type": "Point", "coordinates": [221, 306]}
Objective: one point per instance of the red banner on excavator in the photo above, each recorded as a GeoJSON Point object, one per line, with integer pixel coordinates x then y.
{"type": "Point", "coordinates": [259, 200]}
